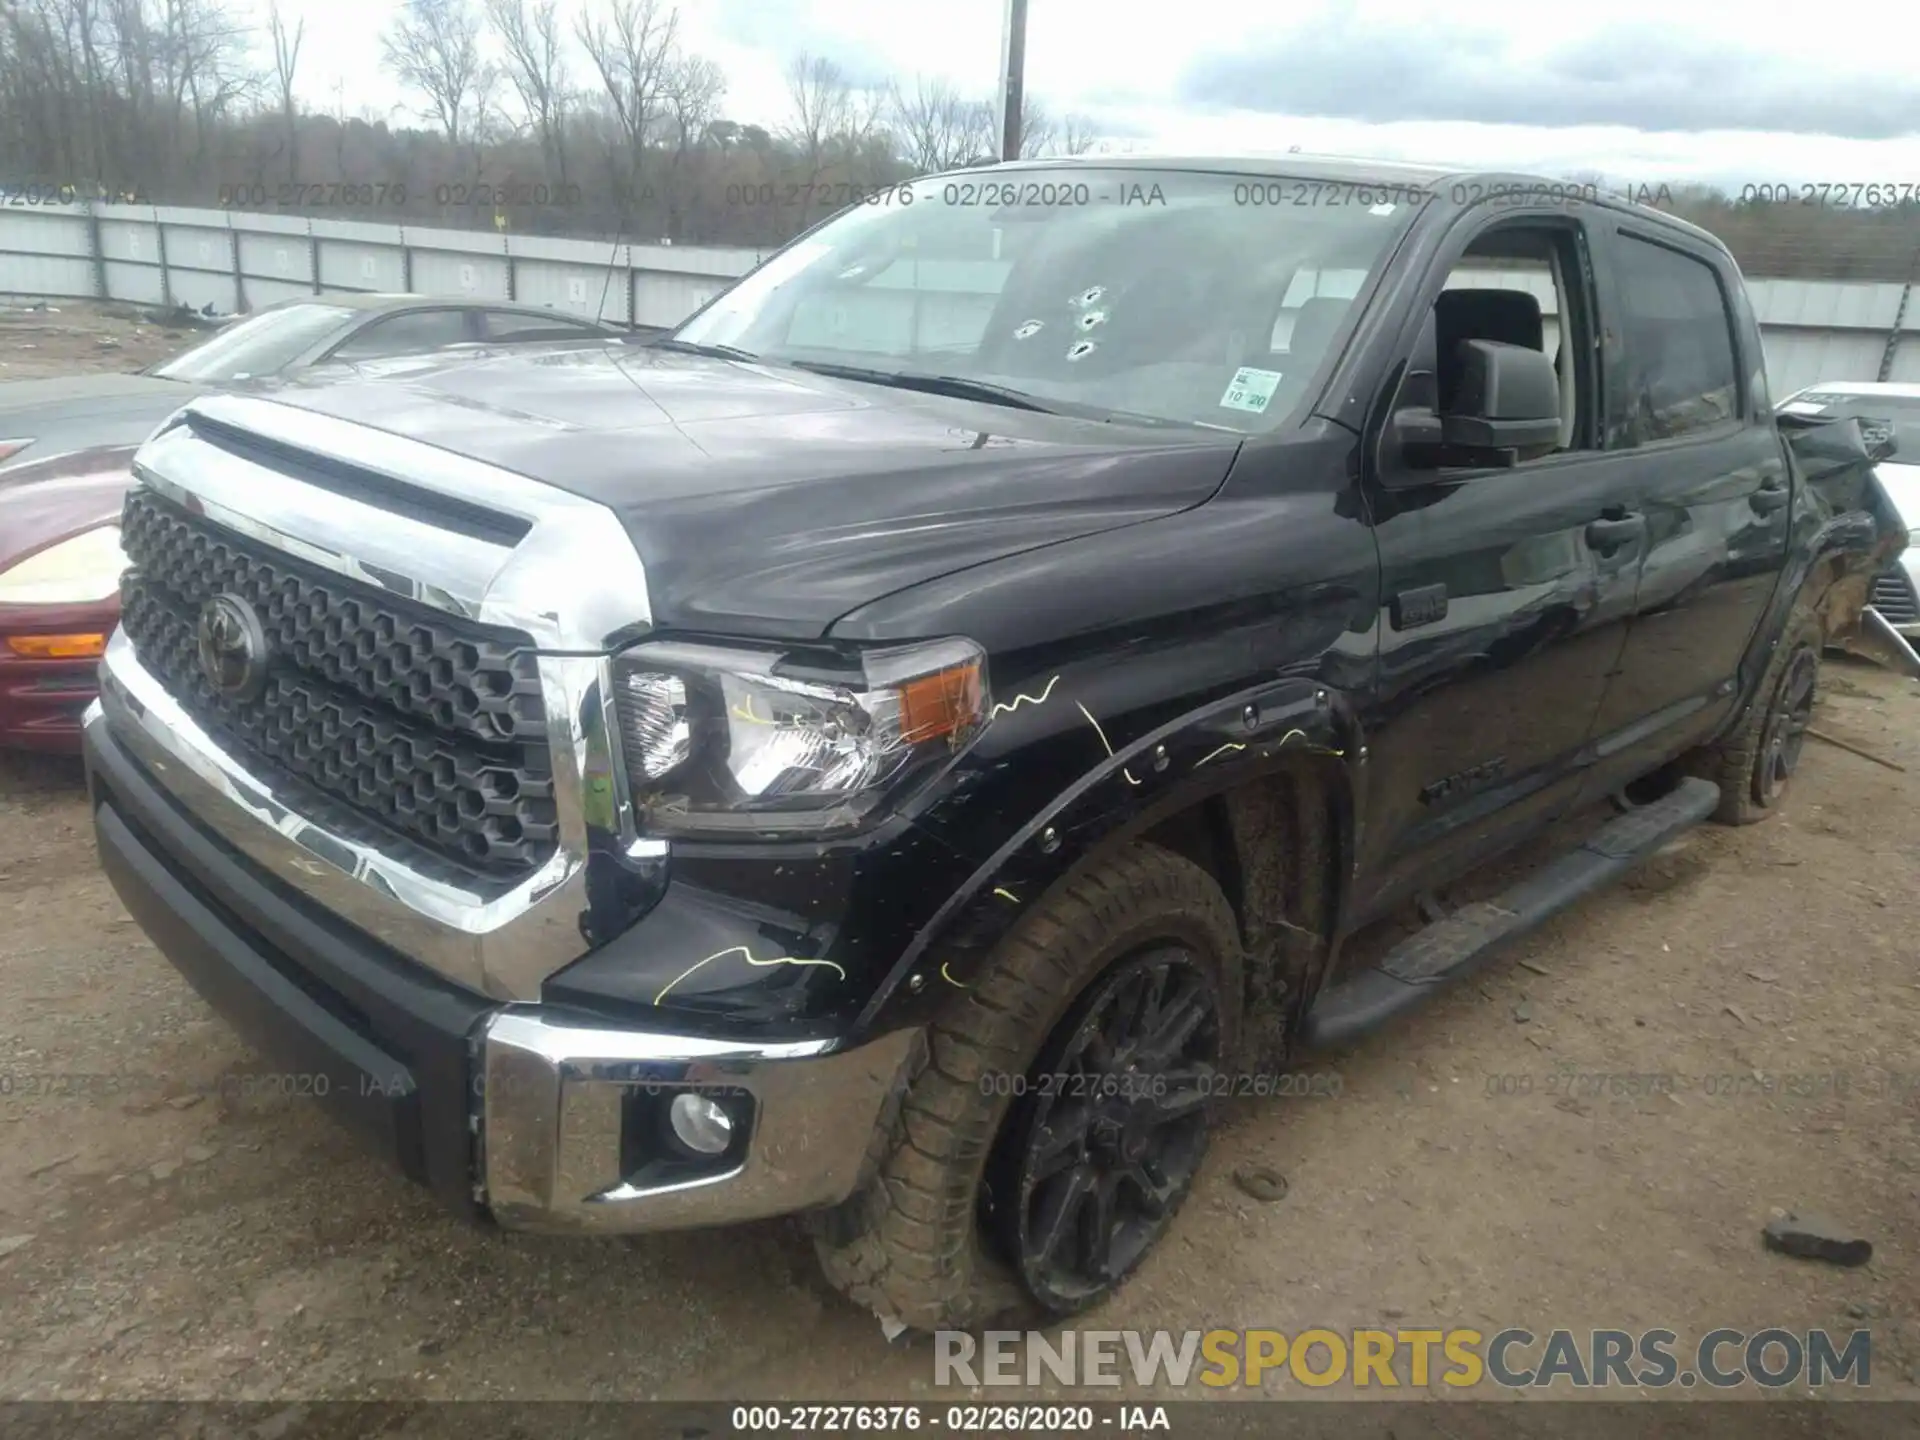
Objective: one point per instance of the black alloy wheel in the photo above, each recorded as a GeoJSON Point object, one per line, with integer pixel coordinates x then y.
{"type": "Point", "coordinates": [1103, 1146]}
{"type": "Point", "coordinates": [1786, 726]}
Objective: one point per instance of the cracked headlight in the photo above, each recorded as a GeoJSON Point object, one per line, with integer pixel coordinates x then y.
{"type": "Point", "coordinates": [719, 740]}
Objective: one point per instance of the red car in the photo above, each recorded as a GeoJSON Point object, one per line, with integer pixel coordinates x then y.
{"type": "Point", "coordinates": [60, 565]}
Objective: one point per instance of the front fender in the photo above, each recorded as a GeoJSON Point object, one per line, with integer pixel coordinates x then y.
{"type": "Point", "coordinates": [1231, 741]}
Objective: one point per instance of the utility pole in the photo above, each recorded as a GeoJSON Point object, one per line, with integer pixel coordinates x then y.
{"type": "Point", "coordinates": [1013, 66]}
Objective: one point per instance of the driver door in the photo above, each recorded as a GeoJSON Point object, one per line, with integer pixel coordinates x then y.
{"type": "Point", "coordinates": [1503, 605]}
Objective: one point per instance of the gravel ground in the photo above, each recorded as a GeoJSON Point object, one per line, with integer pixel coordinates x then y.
{"type": "Point", "coordinates": [160, 1237]}
{"type": "Point", "coordinates": [43, 339]}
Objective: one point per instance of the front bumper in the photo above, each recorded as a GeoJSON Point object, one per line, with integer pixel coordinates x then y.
{"type": "Point", "coordinates": [42, 701]}
{"type": "Point", "coordinates": [539, 1117]}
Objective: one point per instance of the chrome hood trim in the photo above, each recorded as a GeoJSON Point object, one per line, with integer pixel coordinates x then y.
{"type": "Point", "coordinates": [535, 586]}
{"type": "Point", "coordinates": [573, 584]}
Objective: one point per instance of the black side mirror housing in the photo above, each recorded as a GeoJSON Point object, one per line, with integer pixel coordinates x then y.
{"type": "Point", "coordinates": [1506, 405]}
{"type": "Point", "coordinates": [1508, 398]}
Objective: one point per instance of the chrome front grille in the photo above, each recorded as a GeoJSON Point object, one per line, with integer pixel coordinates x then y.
{"type": "Point", "coordinates": [435, 632]}
{"type": "Point", "coordinates": [432, 726]}
{"type": "Point", "coordinates": [1893, 597]}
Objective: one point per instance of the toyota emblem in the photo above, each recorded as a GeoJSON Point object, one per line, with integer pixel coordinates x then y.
{"type": "Point", "coordinates": [233, 648]}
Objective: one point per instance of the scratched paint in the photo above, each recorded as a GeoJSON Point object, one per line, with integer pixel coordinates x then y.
{"type": "Point", "coordinates": [744, 951]}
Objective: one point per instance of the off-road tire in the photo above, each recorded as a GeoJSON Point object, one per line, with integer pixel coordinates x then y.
{"type": "Point", "coordinates": [909, 1245]}
{"type": "Point", "coordinates": [1737, 763]}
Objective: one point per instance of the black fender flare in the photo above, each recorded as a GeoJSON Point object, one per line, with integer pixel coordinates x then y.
{"type": "Point", "coordinates": [1230, 742]}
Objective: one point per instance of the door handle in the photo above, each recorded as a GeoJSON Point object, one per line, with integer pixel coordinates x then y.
{"type": "Point", "coordinates": [1609, 535]}
{"type": "Point", "coordinates": [1769, 498]}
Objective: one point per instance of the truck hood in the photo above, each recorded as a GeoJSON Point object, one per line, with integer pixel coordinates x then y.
{"type": "Point", "coordinates": [769, 501]}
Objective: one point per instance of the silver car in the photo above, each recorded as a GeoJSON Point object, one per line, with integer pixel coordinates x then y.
{"type": "Point", "coordinates": [39, 418]}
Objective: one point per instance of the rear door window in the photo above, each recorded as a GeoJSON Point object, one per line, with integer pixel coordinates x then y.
{"type": "Point", "coordinates": [1682, 375]}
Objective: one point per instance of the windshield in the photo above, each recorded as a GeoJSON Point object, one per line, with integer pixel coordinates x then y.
{"type": "Point", "coordinates": [1879, 416]}
{"type": "Point", "coordinates": [258, 346]}
{"type": "Point", "coordinates": [1160, 293]}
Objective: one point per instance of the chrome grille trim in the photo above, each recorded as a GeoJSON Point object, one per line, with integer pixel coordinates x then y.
{"type": "Point", "coordinates": [574, 583]}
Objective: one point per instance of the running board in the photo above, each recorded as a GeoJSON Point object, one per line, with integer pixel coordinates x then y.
{"type": "Point", "coordinates": [1419, 966]}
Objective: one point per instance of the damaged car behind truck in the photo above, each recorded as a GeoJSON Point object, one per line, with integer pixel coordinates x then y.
{"type": "Point", "coordinates": [899, 749]}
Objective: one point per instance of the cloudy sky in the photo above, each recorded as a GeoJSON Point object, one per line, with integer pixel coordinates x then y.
{"type": "Point", "coordinates": [1641, 90]}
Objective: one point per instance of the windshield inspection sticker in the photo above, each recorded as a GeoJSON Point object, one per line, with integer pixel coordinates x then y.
{"type": "Point", "coordinates": [1250, 389]}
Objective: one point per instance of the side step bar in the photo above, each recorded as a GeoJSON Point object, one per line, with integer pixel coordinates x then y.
{"type": "Point", "coordinates": [1416, 969]}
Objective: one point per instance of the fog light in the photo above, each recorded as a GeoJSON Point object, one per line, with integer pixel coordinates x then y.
{"type": "Point", "coordinates": [700, 1124]}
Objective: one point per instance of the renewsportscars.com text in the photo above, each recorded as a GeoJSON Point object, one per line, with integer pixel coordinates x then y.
{"type": "Point", "coordinates": [1514, 1358]}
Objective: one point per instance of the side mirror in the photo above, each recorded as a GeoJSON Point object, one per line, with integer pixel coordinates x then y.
{"type": "Point", "coordinates": [1506, 402]}
{"type": "Point", "coordinates": [1508, 398]}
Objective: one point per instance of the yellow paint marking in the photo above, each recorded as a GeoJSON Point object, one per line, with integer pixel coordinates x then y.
{"type": "Point", "coordinates": [949, 979]}
{"type": "Point", "coordinates": [777, 960]}
{"type": "Point", "coordinates": [1264, 750]}
{"type": "Point", "coordinates": [1005, 893]}
{"type": "Point", "coordinates": [1103, 741]}
{"type": "Point", "coordinates": [748, 715]}
{"type": "Point", "coordinates": [1020, 700]}
{"type": "Point", "coordinates": [1230, 745]}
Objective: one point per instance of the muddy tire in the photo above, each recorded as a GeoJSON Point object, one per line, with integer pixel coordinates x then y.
{"type": "Point", "coordinates": [1753, 765]}
{"type": "Point", "coordinates": [926, 1242]}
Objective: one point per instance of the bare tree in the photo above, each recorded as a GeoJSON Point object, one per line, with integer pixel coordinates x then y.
{"type": "Point", "coordinates": [1038, 133]}
{"type": "Point", "coordinates": [434, 47]}
{"type": "Point", "coordinates": [286, 60]}
{"type": "Point", "coordinates": [632, 44]}
{"type": "Point", "coordinates": [693, 87]}
{"type": "Point", "coordinates": [939, 128]}
{"type": "Point", "coordinates": [1077, 135]}
{"type": "Point", "coordinates": [822, 101]}
{"type": "Point", "coordinates": [536, 67]}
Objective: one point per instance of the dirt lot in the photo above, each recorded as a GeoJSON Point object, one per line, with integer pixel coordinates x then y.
{"type": "Point", "coordinates": [159, 1238]}
{"type": "Point", "coordinates": [59, 337]}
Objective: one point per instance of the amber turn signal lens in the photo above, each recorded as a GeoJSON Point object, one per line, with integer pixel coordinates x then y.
{"type": "Point", "coordinates": [58, 647]}
{"type": "Point", "coordinates": [943, 703]}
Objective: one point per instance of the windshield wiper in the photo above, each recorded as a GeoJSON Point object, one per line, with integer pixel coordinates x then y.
{"type": "Point", "coordinates": [712, 352]}
{"type": "Point", "coordinates": [957, 387]}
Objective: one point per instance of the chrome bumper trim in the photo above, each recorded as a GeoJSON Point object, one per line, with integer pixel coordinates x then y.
{"type": "Point", "coordinates": [551, 1116]}
{"type": "Point", "coordinates": [500, 941]}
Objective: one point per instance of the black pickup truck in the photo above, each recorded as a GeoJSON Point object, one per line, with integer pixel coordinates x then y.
{"type": "Point", "coordinates": [901, 747]}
